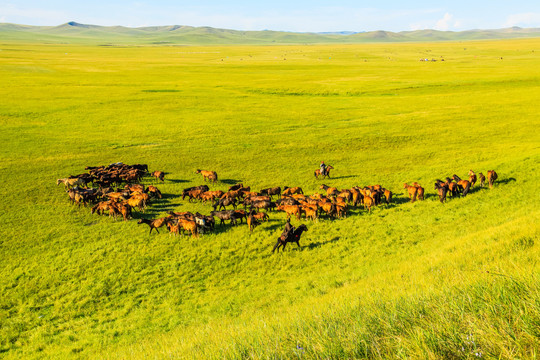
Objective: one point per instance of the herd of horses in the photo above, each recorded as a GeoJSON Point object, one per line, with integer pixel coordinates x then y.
{"type": "Point", "coordinates": [120, 191]}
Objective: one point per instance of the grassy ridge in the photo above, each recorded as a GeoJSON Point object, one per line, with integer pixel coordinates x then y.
{"type": "Point", "coordinates": [74, 283]}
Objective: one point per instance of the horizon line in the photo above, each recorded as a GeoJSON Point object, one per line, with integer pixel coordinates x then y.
{"type": "Point", "coordinates": [348, 32]}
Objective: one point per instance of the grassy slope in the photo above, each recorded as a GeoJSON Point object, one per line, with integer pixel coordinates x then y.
{"type": "Point", "coordinates": [370, 285]}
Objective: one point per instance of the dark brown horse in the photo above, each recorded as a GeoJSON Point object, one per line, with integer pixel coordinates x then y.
{"type": "Point", "coordinates": [442, 189]}
{"type": "Point", "coordinates": [252, 221]}
{"type": "Point", "coordinates": [271, 191]}
{"type": "Point", "coordinates": [482, 179]}
{"type": "Point", "coordinates": [472, 178]}
{"type": "Point", "coordinates": [154, 224]}
{"type": "Point", "coordinates": [293, 236]}
{"type": "Point", "coordinates": [288, 191]}
{"type": "Point", "coordinates": [223, 202]}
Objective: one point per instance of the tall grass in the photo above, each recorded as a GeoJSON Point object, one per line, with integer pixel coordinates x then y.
{"type": "Point", "coordinates": [421, 280]}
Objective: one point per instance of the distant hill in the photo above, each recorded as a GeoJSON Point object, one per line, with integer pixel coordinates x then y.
{"type": "Point", "coordinates": [73, 32]}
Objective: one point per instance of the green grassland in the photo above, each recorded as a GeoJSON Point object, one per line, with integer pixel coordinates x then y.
{"type": "Point", "coordinates": [409, 280]}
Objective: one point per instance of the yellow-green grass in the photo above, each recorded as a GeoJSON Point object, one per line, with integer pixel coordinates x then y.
{"type": "Point", "coordinates": [422, 280]}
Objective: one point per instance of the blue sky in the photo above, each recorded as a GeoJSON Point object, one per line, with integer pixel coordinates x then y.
{"type": "Point", "coordinates": [312, 16]}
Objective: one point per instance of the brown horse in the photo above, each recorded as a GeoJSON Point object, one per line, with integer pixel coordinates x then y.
{"type": "Point", "coordinates": [482, 179]}
{"type": "Point", "coordinates": [210, 175]}
{"type": "Point", "coordinates": [190, 226]}
{"type": "Point", "coordinates": [369, 202]}
{"type": "Point", "coordinates": [291, 210]}
{"type": "Point", "coordinates": [420, 190]}
{"type": "Point", "coordinates": [330, 191]}
{"type": "Point", "coordinates": [492, 176]}
{"type": "Point", "coordinates": [327, 174]}
{"type": "Point", "coordinates": [159, 175]}
{"type": "Point", "coordinates": [412, 191]}
{"type": "Point", "coordinates": [464, 185]}
{"type": "Point", "coordinates": [387, 195]}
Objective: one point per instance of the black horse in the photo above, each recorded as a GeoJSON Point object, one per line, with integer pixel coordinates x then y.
{"type": "Point", "coordinates": [224, 215]}
{"type": "Point", "coordinates": [293, 236]}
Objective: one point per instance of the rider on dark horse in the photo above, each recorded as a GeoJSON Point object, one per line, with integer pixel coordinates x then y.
{"type": "Point", "coordinates": [287, 231]}
{"type": "Point", "coordinates": [323, 168]}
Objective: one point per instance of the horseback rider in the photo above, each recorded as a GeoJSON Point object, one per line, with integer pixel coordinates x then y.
{"type": "Point", "coordinates": [323, 168]}
{"type": "Point", "coordinates": [287, 230]}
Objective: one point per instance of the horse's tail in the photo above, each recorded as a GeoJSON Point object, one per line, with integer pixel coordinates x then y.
{"type": "Point", "coordinates": [466, 190]}
{"type": "Point", "coordinates": [315, 173]}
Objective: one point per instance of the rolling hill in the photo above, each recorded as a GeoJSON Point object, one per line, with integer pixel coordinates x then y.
{"type": "Point", "coordinates": [77, 33]}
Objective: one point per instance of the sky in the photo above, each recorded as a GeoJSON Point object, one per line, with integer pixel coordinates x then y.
{"type": "Point", "coordinates": [281, 15]}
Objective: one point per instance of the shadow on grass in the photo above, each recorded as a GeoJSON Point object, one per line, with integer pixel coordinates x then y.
{"type": "Point", "coordinates": [339, 177]}
{"type": "Point", "coordinates": [177, 181]}
{"type": "Point", "coordinates": [170, 196]}
{"type": "Point", "coordinates": [273, 227]}
{"type": "Point", "coordinates": [230, 181]}
{"type": "Point", "coordinates": [503, 181]}
{"type": "Point", "coordinates": [399, 199]}
{"type": "Point", "coordinates": [223, 228]}
{"type": "Point", "coordinates": [320, 243]}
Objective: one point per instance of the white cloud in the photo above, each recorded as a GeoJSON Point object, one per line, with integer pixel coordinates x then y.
{"type": "Point", "coordinates": [523, 19]}
{"type": "Point", "coordinates": [444, 23]}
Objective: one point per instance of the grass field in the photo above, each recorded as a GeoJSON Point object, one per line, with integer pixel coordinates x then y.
{"type": "Point", "coordinates": [421, 280]}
